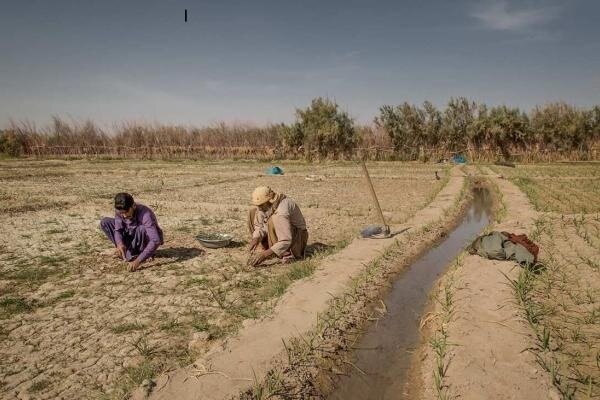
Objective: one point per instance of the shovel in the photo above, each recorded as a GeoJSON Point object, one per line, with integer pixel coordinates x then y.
{"type": "Point", "coordinates": [385, 229]}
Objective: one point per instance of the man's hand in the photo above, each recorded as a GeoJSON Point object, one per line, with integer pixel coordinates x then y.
{"type": "Point", "coordinates": [133, 265]}
{"type": "Point", "coordinates": [121, 250]}
{"type": "Point", "coordinates": [259, 258]}
{"type": "Point", "coordinates": [253, 244]}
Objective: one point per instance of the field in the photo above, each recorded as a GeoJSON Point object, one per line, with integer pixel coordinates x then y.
{"type": "Point", "coordinates": [562, 302]}
{"type": "Point", "coordinates": [76, 324]}
{"type": "Point", "coordinates": [559, 188]}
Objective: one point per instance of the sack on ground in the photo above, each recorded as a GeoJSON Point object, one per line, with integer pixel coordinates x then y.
{"type": "Point", "coordinates": [506, 246]}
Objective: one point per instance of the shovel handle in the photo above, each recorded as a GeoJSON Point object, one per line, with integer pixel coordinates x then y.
{"type": "Point", "coordinates": [375, 200]}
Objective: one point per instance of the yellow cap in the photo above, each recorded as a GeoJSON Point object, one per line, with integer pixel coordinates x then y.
{"type": "Point", "coordinates": [261, 195]}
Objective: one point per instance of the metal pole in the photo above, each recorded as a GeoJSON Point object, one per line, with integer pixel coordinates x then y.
{"type": "Point", "coordinates": [375, 200]}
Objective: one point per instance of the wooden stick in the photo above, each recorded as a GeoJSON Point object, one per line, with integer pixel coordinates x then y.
{"type": "Point", "coordinates": [375, 200]}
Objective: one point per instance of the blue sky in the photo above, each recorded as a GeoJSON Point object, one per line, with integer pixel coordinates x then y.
{"type": "Point", "coordinates": [256, 61]}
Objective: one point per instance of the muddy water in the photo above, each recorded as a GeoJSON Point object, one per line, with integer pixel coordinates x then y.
{"type": "Point", "coordinates": [384, 352]}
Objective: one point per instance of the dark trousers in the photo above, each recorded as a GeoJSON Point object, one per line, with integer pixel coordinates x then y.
{"type": "Point", "coordinates": [134, 242]}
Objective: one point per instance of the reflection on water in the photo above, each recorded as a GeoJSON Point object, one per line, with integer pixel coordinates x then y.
{"type": "Point", "coordinates": [482, 204]}
{"type": "Point", "coordinates": [387, 345]}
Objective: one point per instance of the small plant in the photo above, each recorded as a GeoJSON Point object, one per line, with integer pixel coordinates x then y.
{"type": "Point", "coordinates": [32, 275]}
{"type": "Point", "coordinates": [67, 294]}
{"type": "Point", "coordinates": [38, 386]}
{"type": "Point", "coordinates": [270, 387]}
{"type": "Point", "coordinates": [15, 305]}
{"type": "Point", "coordinates": [301, 269]}
{"type": "Point", "coordinates": [219, 296]}
{"type": "Point", "coordinates": [246, 311]}
{"type": "Point", "coordinates": [276, 287]}
{"type": "Point", "coordinates": [55, 231]}
{"type": "Point", "coordinates": [127, 327]}
{"type": "Point", "coordinates": [201, 324]}
{"type": "Point", "coordinates": [170, 325]}
{"type": "Point", "coordinates": [53, 261]}
{"type": "Point", "coordinates": [206, 222]}
{"type": "Point", "coordinates": [545, 339]}
{"type": "Point", "coordinates": [137, 375]}
{"type": "Point", "coordinates": [143, 347]}
{"type": "Point", "coordinates": [201, 281]}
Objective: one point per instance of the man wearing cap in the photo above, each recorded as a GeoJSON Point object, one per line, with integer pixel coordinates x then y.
{"type": "Point", "coordinates": [277, 224]}
{"type": "Point", "coordinates": [134, 231]}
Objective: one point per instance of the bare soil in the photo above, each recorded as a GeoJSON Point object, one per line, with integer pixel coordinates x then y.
{"type": "Point", "coordinates": [76, 324]}
{"type": "Point", "coordinates": [198, 323]}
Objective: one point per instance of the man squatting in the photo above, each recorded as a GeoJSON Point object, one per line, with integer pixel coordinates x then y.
{"type": "Point", "coordinates": [275, 222]}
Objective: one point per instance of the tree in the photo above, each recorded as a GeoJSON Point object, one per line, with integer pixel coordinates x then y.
{"type": "Point", "coordinates": [324, 129]}
{"type": "Point", "coordinates": [560, 126]}
{"type": "Point", "coordinates": [406, 126]}
{"type": "Point", "coordinates": [456, 123]}
{"type": "Point", "coordinates": [479, 131]}
{"type": "Point", "coordinates": [432, 124]}
{"type": "Point", "coordinates": [595, 123]}
{"type": "Point", "coordinates": [508, 127]}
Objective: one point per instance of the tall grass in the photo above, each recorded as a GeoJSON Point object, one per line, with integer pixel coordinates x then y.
{"type": "Point", "coordinates": [551, 132]}
{"type": "Point", "coordinates": [142, 140]}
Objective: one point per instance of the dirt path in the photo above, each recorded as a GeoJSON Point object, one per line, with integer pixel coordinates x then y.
{"type": "Point", "coordinates": [246, 358]}
{"type": "Point", "coordinates": [487, 355]}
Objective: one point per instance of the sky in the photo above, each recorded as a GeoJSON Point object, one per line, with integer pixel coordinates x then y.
{"type": "Point", "coordinates": [258, 61]}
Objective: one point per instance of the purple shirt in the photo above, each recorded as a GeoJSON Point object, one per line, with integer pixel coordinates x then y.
{"type": "Point", "coordinates": [142, 216]}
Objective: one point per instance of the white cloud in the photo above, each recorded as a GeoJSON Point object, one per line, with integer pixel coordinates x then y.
{"type": "Point", "coordinates": [500, 15]}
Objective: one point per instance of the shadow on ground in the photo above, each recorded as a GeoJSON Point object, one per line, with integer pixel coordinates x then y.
{"type": "Point", "coordinates": [175, 255]}
{"type": "Point", "coordinates": [235, 244]}
{"type": "Point", "coordinates": [313, 249]}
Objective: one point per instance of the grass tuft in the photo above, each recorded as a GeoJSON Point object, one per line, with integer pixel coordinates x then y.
{"type": "Point", "coordinates": [127, 327]}
{"type": "Point", "coordinates": [14, 305]}
{"type": "Point", "coordinates": [38, 386]}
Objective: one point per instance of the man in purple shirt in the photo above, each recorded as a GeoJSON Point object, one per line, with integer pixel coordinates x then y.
{"type": "Point", "coordinates": [134, 230]}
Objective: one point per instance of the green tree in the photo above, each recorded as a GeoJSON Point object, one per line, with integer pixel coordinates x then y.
{"type": "Point", "coordinates": [324, 129]}
{"type": "Point", "coordinates": [560, 126]}
{"type": "Point", "coordinates": [478, 131]}
{"type": "Point", "coordinates": [406, 126]}
{"type": "Point", "coordinates": [508, 127]}
{"type": "Point", "coordinates": [292, 136]}
{"type": "Point", "coordinates": [456, 123]}
{"type": "Point", "coordinates": [432, 124]}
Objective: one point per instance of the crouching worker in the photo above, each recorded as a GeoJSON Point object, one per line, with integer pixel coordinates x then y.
{"type": "Point", "coordinates": [277, 225]}
{"type": "Point", "coordinates": [134, 231]}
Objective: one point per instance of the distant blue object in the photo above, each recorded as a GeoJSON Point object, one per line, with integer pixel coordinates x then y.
{"type": "Point", "coordinates": [274, 171]}
{"type": "Point", "coordinates": [458, 159]}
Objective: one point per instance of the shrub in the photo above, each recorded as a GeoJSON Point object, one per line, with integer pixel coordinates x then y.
{"type": "Point", "coordinates": [560, 126]}
{"type": "Point", "coordinates": [457, 122]}
{"type": "Point", "coordinates": [324, 129]}
{"type": "Point", "coordinates": [508, 127]}
{"type": "Point", "coordinates": [12, 143]}
{"type": "Point", "coordinates": [405, 125]}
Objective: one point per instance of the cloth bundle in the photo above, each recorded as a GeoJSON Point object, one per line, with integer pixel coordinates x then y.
{"type": "Point", "coordinates": [506, 246]}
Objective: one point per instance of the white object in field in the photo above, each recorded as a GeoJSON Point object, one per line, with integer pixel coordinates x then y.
{"type": "Point", "coordinates": [315, 178]}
